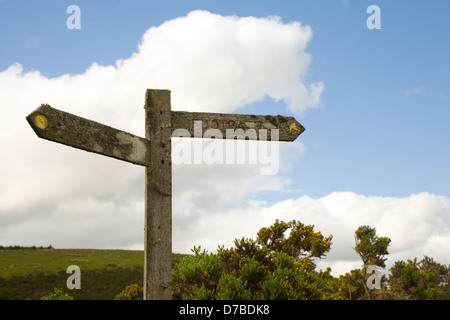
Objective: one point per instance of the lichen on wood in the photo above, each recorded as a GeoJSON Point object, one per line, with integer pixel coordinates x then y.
{"type": "Point", "coordinates": [88, 135]}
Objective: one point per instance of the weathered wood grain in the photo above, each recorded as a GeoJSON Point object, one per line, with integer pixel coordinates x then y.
{"type": "Point", "coordinates": [154, 152]}
{"type": "Point", "coordinates": [236, 126]}
{"type": "Point", "coordinates": [158, 194]}
{"type": "Point", "coordinates": [62, 127]}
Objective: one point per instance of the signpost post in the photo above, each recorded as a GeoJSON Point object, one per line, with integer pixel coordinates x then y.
{"type": "Point", "coordinates": [154, 153]}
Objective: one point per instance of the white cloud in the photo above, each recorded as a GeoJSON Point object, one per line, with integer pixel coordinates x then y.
{"type": "Point", "coordinates": [216, 63]}
{"type": "Point", "coordinates": [417, 225]}
{"type": "Point", "coordinates": [415, 91]}
{"type": "Point", "coordinates": [52, 194]}
{"type": "Point", "coordinates": [209, 62]}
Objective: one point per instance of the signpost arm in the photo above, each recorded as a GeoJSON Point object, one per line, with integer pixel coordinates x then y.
{"type": "Point", "coordinates": [154, 152]}
{"type": "Point", "coordinates": [158, 197]}
{"type": "Point", "coordinates": [65, 128]}
{"type": "Point", "coordinates": [247, 126]}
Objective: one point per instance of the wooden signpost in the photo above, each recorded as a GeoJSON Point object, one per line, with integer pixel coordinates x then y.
{"type": "Point", "coordinates": [154, 153]}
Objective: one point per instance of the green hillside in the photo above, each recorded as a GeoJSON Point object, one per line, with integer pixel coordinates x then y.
{"type": "Point", "coordinates": [28, 273]}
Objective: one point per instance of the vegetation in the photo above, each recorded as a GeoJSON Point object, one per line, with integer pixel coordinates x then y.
{"type": "Point", "coordinates": [131, 292]}
{"type": "Point", "coordinates": [278, 264]}
{"type": "Point", "coordinates": [21, 247]}
{"type": "Point", "coordinates": [426, 279]}
{"type": "Point", "coordinates": [32, 274]}
{"type": "Point", "coordinates": [272, 267]}
{"type": "Point", "coordinates": [28, 261]}
{"type": "Point", "coordinates": [57, 294]}
{"type": "Point", "coordinates": [371, 249]}
{"type": "Point", "coordinates": [278, 267]}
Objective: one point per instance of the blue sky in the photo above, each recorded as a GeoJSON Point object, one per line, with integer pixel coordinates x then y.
{"type": "Point", "coordinates": [381, 128]}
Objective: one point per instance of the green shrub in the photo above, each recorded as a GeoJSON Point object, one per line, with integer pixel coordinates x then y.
{"type": "Point", "coordinates": [131, 292]}
{"type": "Point", "coordinates": [57, 294]}
{"type": "Point", "coordinates": [258, 269]}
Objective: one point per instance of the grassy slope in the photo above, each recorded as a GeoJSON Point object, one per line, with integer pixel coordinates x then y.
{"type": "Point", "coordinates": [30, 274]}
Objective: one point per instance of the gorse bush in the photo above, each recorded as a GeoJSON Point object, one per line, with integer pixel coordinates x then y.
{"type": "Point", "coordinates": [425, 280]}
{"type": "Point", "coordinates": [279, 264]}
{"type": "Point", "coordinates": [131, 292]}
{"type": "Point", "coordinates": [57, 294]}
{"type": "Point", "coordinates": [302, 240]}
{"type": "Point", "coordinates": [272, 267]}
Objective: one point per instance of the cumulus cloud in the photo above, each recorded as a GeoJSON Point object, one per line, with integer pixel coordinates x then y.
{"type": "Point", "coordinates": [208, 61]}
{"type": "Point", "coordinates": [417, 225]}
{"type": "Point", "coordinates": [240, 60]}
{"type": "Point", "coordinates": [53, 194]}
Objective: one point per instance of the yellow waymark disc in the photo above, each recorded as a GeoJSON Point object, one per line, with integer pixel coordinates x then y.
{"type": "Point", "coordinates": [293, 126]}
{"type": "Point", "coordinates": [41, 121]}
